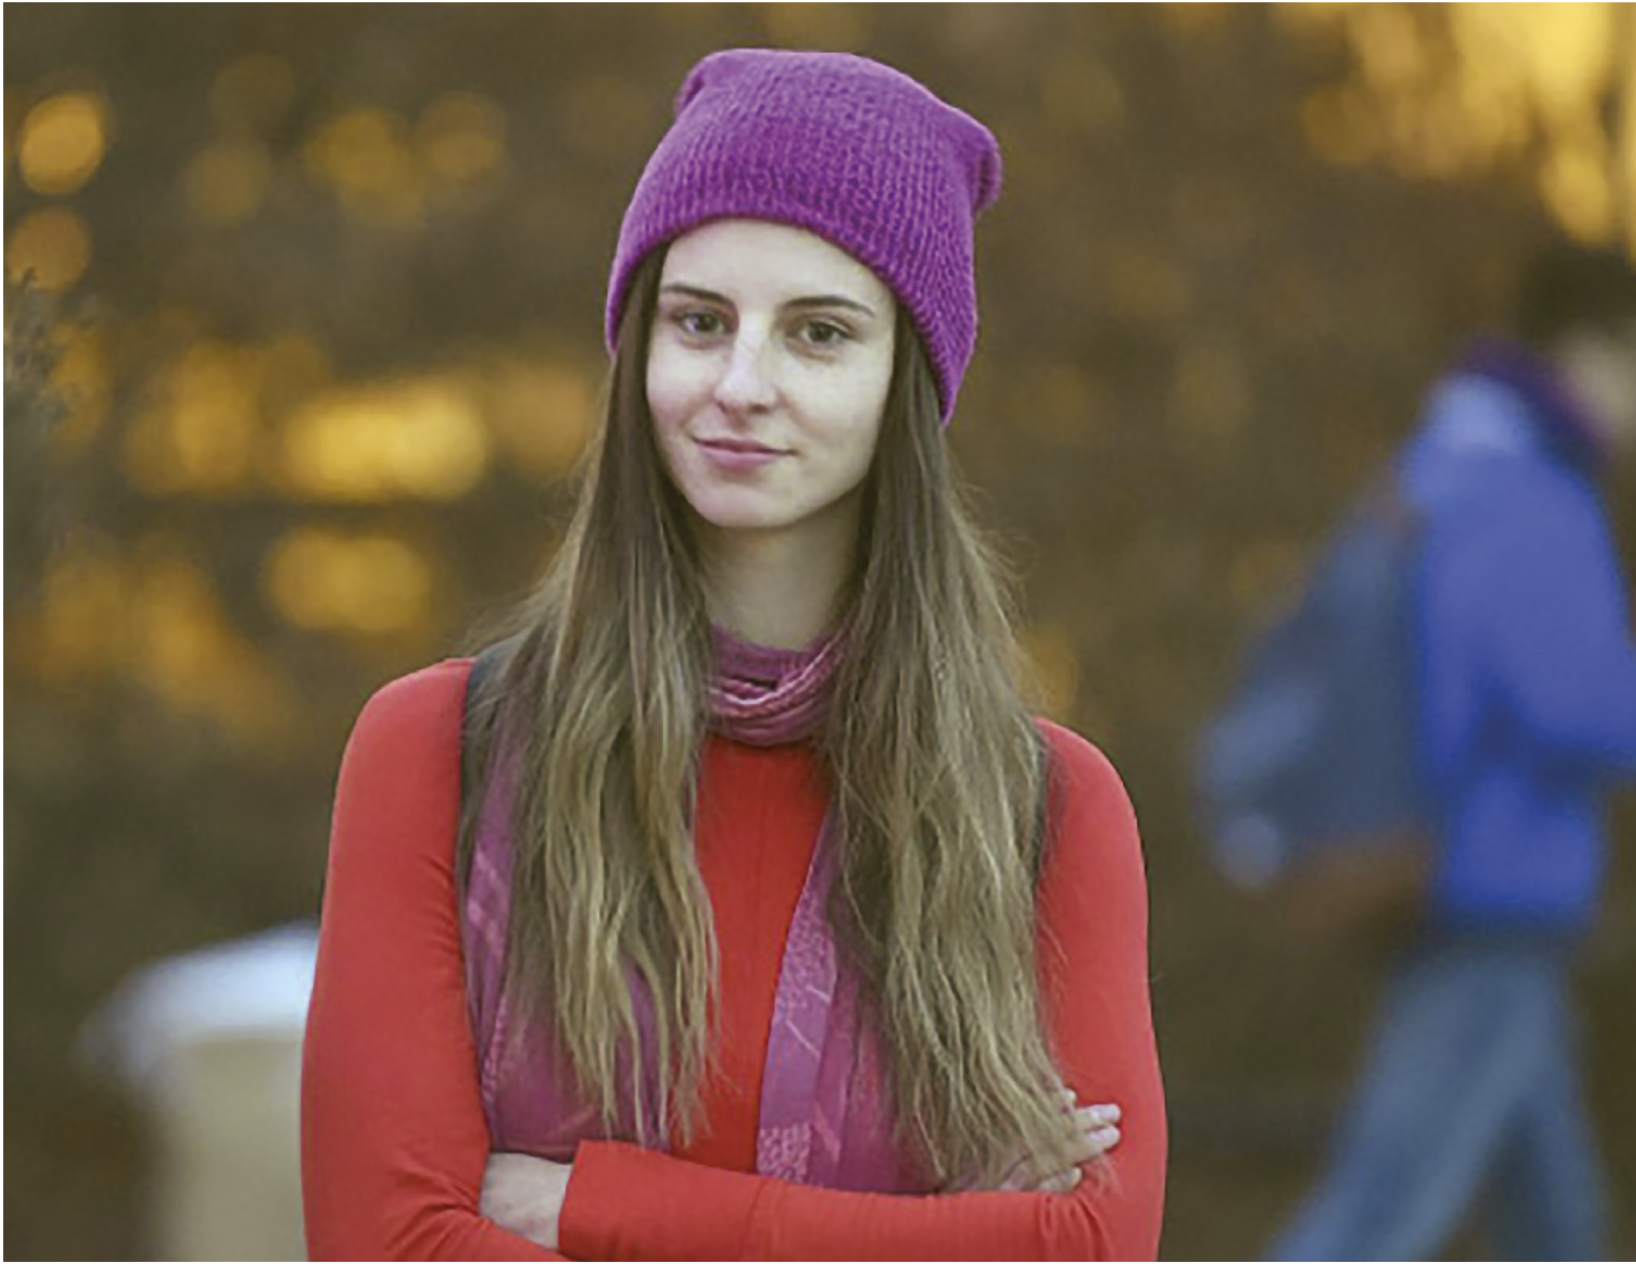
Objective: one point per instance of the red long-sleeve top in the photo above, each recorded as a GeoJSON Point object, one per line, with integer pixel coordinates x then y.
{"type": "Point", "coordinates": [394, 1143]}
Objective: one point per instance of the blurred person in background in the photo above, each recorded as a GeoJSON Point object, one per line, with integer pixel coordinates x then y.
{"type": "Point", "coordinates": [1527, 712]}
{"type": "Point", "coordinates": [737, 893]}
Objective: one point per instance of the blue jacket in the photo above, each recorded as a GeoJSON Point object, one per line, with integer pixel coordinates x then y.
{"type": "Point", "coordinates": [1527, 663]}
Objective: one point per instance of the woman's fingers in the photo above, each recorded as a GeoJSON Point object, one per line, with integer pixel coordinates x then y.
{"type": "Point", "coordinates": [1105, 1113]}
{"type": "Point", "coordinates": [1098, 1134]}
{"type": "Point", "coordinates": [1099, 1129]}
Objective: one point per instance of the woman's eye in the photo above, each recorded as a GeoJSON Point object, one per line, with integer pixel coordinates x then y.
{"type": "Point", "coordinates": [700, 324]}
{"type": "Point", "coordinates": [821, 333]}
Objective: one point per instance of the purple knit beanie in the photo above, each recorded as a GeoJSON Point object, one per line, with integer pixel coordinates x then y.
{"type": "Point", "coordinates": [839, 145]}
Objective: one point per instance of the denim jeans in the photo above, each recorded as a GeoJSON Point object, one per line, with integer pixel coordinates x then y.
{"type": "Point", "coordinates": [1469, 1098]}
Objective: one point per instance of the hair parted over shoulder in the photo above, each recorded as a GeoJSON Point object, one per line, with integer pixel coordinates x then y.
{"type": "Point", "coordinates": [1568, 288]}
{"type": "Point", "coordinates": [938, 768]}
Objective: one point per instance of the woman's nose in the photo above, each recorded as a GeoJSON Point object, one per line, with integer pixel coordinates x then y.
{"type": "Point", "coordinates": [747, 383]}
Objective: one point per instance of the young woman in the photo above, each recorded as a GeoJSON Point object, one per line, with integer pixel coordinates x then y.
{"type": "Point", "coordinates": [741, 909]}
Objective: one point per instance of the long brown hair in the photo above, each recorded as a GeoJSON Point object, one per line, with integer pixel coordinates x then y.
{"type": "Point", "coordinates": [938, 773]}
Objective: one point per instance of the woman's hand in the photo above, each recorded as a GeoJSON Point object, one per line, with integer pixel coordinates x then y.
{"type": "Point", "coordinates": [1098, 1134]}
{"type": "Point", "coordinates": [525, 1195]}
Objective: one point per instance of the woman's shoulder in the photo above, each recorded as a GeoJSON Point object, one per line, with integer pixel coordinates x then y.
{"type": "Point", "coordinates": [1090, 808]}
{"type": "Point", "coordinates": [1078, 765]}
{"type": "Point", "coordinates": [421, 692]}
{"type": "Point", "coordinates": [413, 711]}
{"type": "Point", "coordinates": [398, 791]}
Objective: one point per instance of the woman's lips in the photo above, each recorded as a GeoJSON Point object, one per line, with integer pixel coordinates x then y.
{"type": "Point", "coordinates": [738, 454]}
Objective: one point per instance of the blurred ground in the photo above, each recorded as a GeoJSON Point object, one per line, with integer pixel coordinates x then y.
{"type": "Point", "coordinates": [315, 340]}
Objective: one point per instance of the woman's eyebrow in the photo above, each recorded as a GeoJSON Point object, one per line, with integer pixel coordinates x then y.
{"type": "Point", "coordinates": [800, 304]}
{"type": "Point", "coordinates": [831, 300]}
{"type": "Point", "coordinates": [695, 291]}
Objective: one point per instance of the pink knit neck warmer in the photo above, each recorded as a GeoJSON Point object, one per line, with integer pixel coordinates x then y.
{"type": "Point", "coordinates": [769, 697]}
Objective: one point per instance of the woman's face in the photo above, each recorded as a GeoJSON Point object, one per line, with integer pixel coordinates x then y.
{"type": "Point", "coordinates": [768, 368]}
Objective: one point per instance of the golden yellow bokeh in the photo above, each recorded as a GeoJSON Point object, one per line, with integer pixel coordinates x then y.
{"type": "Point", "coordinates": [1518, 83]}
{"type": "Point", "coordinates": [1491, 109]}
{"type": "Point", "coordinates": [185, 649]}
{"type": "Point", "coordinates": [1577, 181]}
{"type": "Point", "coordinates": [461, 138]}
{"type": "Point", "coordinates": [365, 156]}
{"type": "Point", "coordinates": [1565, 53]}
{"type": "Point", "coordinates": [332, 582]}
{"type": "Point", "coordinates": [1389, 45]}
{"type": "Point", "coordinates": [227, 182]}
{"type": "Point", "coordinates": [83, 610]}
{"type": "Point", "coordinates": [54, 245]}
{"type": "Point", "coordinates": [62, 142]}
{"type": "Point", "coordinates": [148, 612]}
{"type": "Point", "coordinates": [423, 437]}
{"type": "Point", "coordinates": [201, 432]}
{"type": "Point", "coordinates": [1626, 171]}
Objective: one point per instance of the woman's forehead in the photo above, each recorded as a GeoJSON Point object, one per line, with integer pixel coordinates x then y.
{"type": "Point", "coordinates": [758, 259]}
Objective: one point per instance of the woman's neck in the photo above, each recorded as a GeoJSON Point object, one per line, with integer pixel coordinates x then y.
{"type": "Point", "coordinates": [776, 588]}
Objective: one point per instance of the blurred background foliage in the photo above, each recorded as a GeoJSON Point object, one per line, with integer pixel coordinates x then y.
{"type": "Point", "coordinates": [310, 345]}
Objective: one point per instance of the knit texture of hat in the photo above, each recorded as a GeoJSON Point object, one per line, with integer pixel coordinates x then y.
{"type": "Point", "coordinates": [849, 149]}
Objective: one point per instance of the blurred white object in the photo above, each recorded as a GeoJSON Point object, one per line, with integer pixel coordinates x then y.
{"type": "Point", "coordinates": [210, 1043]}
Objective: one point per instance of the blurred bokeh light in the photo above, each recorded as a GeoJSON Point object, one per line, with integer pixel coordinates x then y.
{"type": "Point", "coordinates": [370, 584]}
{"type": "Point", "coordinates": [422, 437]}
{"type": "Point", "coordinates": [63, 140]}
{"type": "Point", "coordinates": [53, 246]}
{"type": "Point", "coordinates": [1500, 81]}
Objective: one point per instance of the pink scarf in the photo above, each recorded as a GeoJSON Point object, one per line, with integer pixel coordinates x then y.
{"type": "Point", "coordinates": [768, 697]}
{"type": "Point", "coordinates": [825, 1115]}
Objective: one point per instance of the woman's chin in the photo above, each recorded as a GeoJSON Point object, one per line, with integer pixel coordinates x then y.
{"type": "Point", "coordinates": [736, 514]}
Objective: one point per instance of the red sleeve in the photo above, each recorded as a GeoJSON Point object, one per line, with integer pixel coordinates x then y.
{"type": "Point", "coordinates": [393, 1140]}
{"type": "Point", "coordinates": [625, 1203]}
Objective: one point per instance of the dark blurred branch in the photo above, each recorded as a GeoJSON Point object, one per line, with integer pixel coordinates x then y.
{"type": "Point", "coordinates": [33, 409]}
